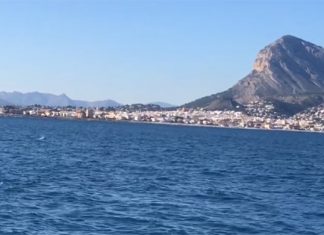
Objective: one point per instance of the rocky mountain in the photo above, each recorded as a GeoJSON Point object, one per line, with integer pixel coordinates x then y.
{"type": "Point", "coordinates": [288, 72]}
{"type": "Point", "coordinates": [31, 98]}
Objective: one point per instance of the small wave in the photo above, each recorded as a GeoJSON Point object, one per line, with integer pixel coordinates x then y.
{"type": "Point", "coordinates": [41, 138]}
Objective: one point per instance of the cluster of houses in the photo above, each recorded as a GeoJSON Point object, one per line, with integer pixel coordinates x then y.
{"type": "Point", "coordinates": [263, 118]}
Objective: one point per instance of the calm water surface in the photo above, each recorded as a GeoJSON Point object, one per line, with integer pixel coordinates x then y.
{"type": "Point", "coordinates": [78, 177]}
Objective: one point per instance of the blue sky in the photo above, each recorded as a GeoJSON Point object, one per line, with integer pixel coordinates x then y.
{"type": "Point", "coordinates": [143, 51]}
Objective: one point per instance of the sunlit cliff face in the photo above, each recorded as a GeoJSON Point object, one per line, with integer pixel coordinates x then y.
{"type": "Point", "coordinates": [262, 62]}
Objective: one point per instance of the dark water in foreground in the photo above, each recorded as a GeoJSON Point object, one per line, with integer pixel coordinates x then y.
{"type": "Point", "coordinates": [122, 178]}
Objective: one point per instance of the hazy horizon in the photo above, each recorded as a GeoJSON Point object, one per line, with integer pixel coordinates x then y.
{"type": "Point", "coordinates": [143, 51]}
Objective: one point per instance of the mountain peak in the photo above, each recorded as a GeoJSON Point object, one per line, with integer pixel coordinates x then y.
{"type": "Point", "coordinates": [263, 60]}
{"type": "Point", "coordinates": [286, 51]}
{"type": "Point", "coordinates": [287, 38]}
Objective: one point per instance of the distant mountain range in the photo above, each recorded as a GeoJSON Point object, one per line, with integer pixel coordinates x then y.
{"type": "Point", "coordinates": [46, 99]}
{"type": "Point", "coordinates": [288, 72]}
{"type": "Point", "coordinates": [32, 98]}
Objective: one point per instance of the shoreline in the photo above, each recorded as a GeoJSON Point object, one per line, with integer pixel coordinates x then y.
{"type": "Point", "coordinates": [222, 127]}
{"type": "Point", "coordinates": [160, 123]}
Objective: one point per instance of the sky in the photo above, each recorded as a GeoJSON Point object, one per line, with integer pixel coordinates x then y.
{"type": "Point", "coordinates": [136, 51]}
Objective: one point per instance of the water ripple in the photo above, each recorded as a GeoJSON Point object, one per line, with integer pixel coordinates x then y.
{"type": "Point", "coordinates": [75, 177]}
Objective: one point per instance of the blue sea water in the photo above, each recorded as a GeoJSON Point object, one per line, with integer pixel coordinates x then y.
{"type": "Point", "coordinates": [81, 177]}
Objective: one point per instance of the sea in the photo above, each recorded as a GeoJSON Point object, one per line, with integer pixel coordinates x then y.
{"type": "Point", "coordinates": [100, 177]}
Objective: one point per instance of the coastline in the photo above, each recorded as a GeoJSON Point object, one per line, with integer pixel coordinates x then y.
{"type": "Point", "coordinates": [220, 127]}
{"type": "Point", "coordinates": [160, 123]}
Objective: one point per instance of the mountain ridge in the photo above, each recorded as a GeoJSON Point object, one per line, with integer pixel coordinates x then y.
{"type": "Point", "coordinates": [48, 99]}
